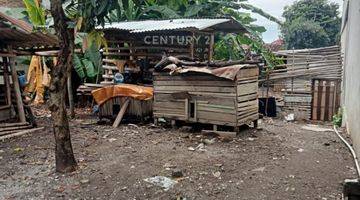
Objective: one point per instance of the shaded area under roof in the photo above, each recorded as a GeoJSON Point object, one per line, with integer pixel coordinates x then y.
{"type": "Point", "coordinates": [19, 34]}
{"type": "Point", "coordinates": [206, 25]}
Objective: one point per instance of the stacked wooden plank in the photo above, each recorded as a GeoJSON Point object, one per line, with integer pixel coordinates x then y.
{"type": "Point", "coordinates": [205, 98]}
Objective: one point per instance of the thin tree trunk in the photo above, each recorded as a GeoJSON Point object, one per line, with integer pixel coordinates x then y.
{"type": "Point", "coordinates": [65, 160]}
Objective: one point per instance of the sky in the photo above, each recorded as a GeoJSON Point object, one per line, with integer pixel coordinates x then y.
{"type": "Point", "coordinates": [275, 8]}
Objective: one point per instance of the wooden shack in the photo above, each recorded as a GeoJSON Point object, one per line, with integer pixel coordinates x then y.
{"type": "Point", "coordinates": [209, 98]}
{"type": "Point", "coordinates": [135, 47]}
{"type": "Point", "coordinates": [16, 38]}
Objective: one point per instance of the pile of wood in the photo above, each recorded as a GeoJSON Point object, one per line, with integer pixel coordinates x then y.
{"type": "Point", "coordinates": [320, 63]}
{"type": "Point", "coordinates": [205, 98]}
{"type": "Point", "coordinates": [9, 130]}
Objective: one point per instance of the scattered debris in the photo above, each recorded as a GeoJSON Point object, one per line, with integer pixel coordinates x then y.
{"type": "Point", "coordinates": [133, 125]}
{"type": "Point", "coordinates": [208, 142]}
{"type": "Point", "coordinates": [168, 165]}
{"type": "Point", "coordinates": [260, 169]}
{"type": "Point", "coordinates": [316, 128]}
{"type": "Point", "coordinates": [18, 149]}
{"type": "Point", "coordinates": [161, 120]}
{"type": "Point", "coordinates": [191, 148]}
{"type": "Point", "coordinates": [84, 181]}
{"type": "Point", "coordinates": [201, 147]}
{"type": "Point", "coordinates": [290, 117]}
{"type": "Point", "coordinates": [224, 134]}
{"type": "Point", "coordinates": [112, 139]}
{"type": "Point", "coordinates": [177, 173]}
{"type": "Point", "coordinates": [217, 174]}
{"type": "Point", "coordinates": [161, 181]}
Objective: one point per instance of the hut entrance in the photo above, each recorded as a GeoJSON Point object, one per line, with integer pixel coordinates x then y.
{"type": "Point", "coordinates": [325, 99]}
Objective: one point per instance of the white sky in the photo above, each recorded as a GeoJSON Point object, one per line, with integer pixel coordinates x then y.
{"type": "Point", "coordinates": [275, 8]}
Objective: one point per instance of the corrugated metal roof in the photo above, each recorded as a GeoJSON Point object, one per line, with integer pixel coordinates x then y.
{"type": "Point", "coordinates": [221, 24]}
{"type": "Point", "coordinates": [20, 34]}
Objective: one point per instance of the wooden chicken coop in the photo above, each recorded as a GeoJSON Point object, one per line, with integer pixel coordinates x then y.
{"type": "Point", "coordinates": [224, 96]}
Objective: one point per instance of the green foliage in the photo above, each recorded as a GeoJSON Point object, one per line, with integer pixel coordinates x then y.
{"type": "Point", "coordinates": [337, 119]}
{"type": "Point", "coordinates": [311, 24]}
{"type": "Point", "coordinates": [229, 47]}
{"type": "Point", "coordinates": [304, 33]}
{"type": "Point", "coordinates": [88, 65]}
{"type": "Point", "coordinates": [35, 12]}
{"type": "Point", "coordinates": [97, 39]}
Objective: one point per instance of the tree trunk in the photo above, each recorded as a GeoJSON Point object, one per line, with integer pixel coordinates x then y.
{"type": "Point", "coordinates": [65, 160]}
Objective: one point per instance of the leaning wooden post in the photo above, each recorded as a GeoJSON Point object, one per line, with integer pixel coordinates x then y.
{"type": "Point", "coordinates": [71, 96]}
{"type": "Point", "coordinates": [192, 45]}
{"type": "Point", "coordinates": [19, 100]}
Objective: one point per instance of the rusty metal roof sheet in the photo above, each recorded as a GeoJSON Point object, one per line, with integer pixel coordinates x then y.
{"type": "Point", "coordinates": [20, 34]}
{"type": "Point", "coordinates": [220, 24]}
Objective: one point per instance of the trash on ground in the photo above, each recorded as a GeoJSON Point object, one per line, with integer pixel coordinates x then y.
{"type": "Point", "coordinates": [217, 174]}
{"type": "Point", "coordinates": [290, 117]}
{"type": "Point", "coordinates": [260, 169]}
{"type": "Point", "coordinates": [161, 181]}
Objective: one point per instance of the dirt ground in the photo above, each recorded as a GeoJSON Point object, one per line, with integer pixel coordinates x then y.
{"type": "Point", "coordinates": [281, 161]}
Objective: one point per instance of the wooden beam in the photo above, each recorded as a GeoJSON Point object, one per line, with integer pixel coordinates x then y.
{"type": "Point", "coordinates": [20, 133]}
{"type": "Point", "coordinates": [7, 82]}
{"type": "Point", "coordinates": [121, 113]}
{"type": "Point", "coordinates": [19, 101]}
{"type": "Point", "coordinates": [7, 55]}
{"type": "Point", "coordinates": [211, 47]}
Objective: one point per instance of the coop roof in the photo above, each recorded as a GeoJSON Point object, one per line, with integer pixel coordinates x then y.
{"type": "Point", "coordinates": [20, 34]}
{"type": "Point", "coordinates": [211, 25]}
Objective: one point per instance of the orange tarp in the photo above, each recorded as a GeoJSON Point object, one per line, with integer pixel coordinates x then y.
{"type": "Point", "coordinates": [101, 95]}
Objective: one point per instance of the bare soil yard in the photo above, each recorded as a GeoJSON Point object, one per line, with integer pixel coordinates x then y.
{"type": "Point", "coordinates": [281, 161]}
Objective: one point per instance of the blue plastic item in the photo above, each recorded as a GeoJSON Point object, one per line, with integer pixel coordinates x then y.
{"type": "Point", "coordinates": [22, 80]}
{"type": "Point", "coordinates": [118, 78]}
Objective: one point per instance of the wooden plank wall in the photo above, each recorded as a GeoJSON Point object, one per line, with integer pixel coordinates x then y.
{"type": "Point", "coordinates": [247, 95]}
{"type": "Point", "coordinates": [213, 99]}
{"type": "Point", "coordinates": [297, 73]}
{"type": "Point", "coordinates": [321, 63]}
{"type": "Point", "coordinates": [326, 99]}
{"type": "Point", "coordinates": [298, 103]}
